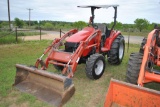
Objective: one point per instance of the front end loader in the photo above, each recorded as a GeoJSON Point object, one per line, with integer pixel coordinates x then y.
{"type": "Point", "coordinates": [143, 68]}
{"type": "Point", "coordinates": [89, 45]}
{"type": "Point", "coordinates": [122, 94]}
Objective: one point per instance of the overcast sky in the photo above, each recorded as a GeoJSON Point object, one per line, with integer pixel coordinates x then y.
{"type": "Point", "coordinates": [66, 10]}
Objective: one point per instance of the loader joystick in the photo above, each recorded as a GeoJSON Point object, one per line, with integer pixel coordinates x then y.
{"type": "Point", "coordinates": [91, 23]}
{"type": "Point", "coordinates": [90, 20]}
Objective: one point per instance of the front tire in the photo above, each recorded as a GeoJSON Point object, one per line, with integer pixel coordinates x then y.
{"type": "Point", "coordinates": [116, 52]}
{"type": "Point", "coordinates": [95, 66]}
{"type": "Point", "coordinates": [57, 67]}
{"type": "Point", "coordinates": [134, 66]}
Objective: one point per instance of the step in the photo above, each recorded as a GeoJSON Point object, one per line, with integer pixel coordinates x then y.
{"type": "Point", "coordinates": [103, 49]}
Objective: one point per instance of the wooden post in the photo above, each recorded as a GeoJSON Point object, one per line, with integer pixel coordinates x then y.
{"type": "Point", "coordinates": [16, 35]}
{"type": "Point", "coordinates": [40, 33]}
{"type": "Point", "coordinates": [60, 33]}
{"type": "Point", "coordinates": [9, 16]}
{"type": "Point", "coordinates": [128, 40]}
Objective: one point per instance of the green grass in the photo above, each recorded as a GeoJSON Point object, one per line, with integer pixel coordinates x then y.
{"type": "Point", "coordinates": [7, 37]}
{"type": "Point", "coordinates": [89, 93]}
{"type": "Point", "coordinates": [143, 34]}
{"type": "Point", "coordinates": [20, 33]}
{"type": "Point", "coordinates": [28, 33]}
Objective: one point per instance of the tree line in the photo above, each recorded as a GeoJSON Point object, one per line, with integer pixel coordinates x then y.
{"type": "Point", "coordinates": [139, 25]}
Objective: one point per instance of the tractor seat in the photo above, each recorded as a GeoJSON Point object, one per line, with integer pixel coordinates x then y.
{"type": "Point", "coordinates": [102, 27]}
{"type": "Point", "coordinates": [104, 30]}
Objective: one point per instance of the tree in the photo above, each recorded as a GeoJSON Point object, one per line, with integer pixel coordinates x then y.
{"type": "Point", "coordinates": [119, 25]}
{"type": "Point", "coordinates": [151, 26]}
{"type": "Point", "coordinates": [79, 24]}
{"type": "Point", "coordinates": [18, 22]}
{"type": "Point", "coordinates": [141, 24]}
{"type": "Point", "coordinates": [4, 24]}
{"type": "Point", "coordinates": [48, 26]}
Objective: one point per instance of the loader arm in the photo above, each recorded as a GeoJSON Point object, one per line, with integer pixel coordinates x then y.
{"type": "Point", "coordinates": [151, 51]}
{"type": "Point", "coordinates": [84, 45]}
{"type": "Point", "coordinates": [70, 60]}
{"type": "Point", "coordinates": [55, 45]}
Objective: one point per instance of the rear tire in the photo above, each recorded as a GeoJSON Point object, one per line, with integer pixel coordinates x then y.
{"type": "Point", "coordinates": [116, 52]}
{"type": "Point", "coordinates": [141, 50]}
{"type": "Point", "coordinates": [133, 69]}
{"type": "Point", "coordinates": [95, 66]}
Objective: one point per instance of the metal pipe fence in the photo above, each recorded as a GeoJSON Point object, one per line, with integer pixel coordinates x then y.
{"type": "Point", "coordinates": [19, 32]}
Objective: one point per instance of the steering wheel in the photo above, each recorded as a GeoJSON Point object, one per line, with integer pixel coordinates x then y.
{"type": "Point", "coordinates": [95, 26]}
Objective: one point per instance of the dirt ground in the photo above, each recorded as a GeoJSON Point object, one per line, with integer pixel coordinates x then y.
{"type": "Point", "coordinates": [51, 36]}
{"type": "Point", "coordinates": [43, 37]}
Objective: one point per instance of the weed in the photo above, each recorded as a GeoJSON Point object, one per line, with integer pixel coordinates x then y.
{"type": "Point", "coordinates": [24, 96]}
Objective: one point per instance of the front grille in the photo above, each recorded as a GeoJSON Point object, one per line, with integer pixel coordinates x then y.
{"type": "Point", "coordinates": [71, 46]}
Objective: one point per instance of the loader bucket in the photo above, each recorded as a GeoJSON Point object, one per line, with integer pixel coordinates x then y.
{"type": "Point", "coordinates": [122, 94]}
{"type": "Point", "coordinates": [46, 86]}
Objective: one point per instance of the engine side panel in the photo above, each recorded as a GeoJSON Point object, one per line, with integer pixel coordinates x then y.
{"type": "Point", "coordinates": [81, 35]}
{"type": "Point", "coordinates": [76, 38]}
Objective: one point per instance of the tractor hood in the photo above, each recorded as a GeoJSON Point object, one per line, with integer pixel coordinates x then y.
{"type": "Point", "coordinates": [81, 35]}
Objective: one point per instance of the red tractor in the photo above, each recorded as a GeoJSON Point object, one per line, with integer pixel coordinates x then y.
{"type": "Point", "coordinates": [89, 45]}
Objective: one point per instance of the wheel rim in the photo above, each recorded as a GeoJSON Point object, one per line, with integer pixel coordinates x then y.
{"type": "Point", "coordinates": [121, 50]}
{"type": "Point", "coordinates": [99, 67]}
